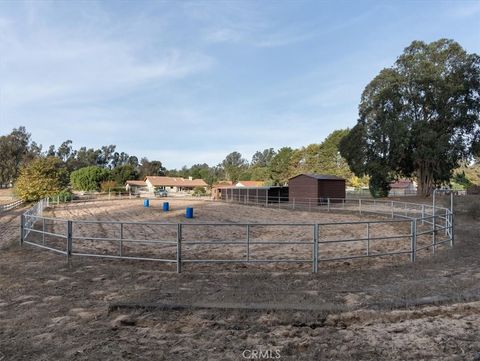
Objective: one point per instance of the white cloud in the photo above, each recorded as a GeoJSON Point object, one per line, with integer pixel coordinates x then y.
{"type": "Point", "coordinates": [61, 66]}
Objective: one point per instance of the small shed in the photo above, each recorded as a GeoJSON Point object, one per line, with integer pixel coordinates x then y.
{"type": "Point", "coordinates": [315, 186]}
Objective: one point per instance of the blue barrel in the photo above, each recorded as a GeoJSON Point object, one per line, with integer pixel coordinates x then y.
{"type": "Point", "coordinates": [189, 213]}
{"type": "Point", "coordinates": [166, 206]}
{"type": "Point", "coordinates": [146, 203]}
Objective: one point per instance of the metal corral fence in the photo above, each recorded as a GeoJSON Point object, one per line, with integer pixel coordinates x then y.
{"type": "Point", "coordinates": [411, 230]}
{"type": "Point", "coordinates": [10, 206]}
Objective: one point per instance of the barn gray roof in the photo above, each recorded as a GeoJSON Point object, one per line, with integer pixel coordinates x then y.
{"type": "Point", "coordinates": [320, 176]}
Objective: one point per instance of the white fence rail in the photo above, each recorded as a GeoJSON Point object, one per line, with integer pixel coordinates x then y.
{"type": "Point", "coordinates": [9, 206]}
{"type": "Point", "coordinates": [413, 229]}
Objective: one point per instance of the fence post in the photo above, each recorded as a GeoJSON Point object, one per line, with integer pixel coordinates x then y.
{"type": "Point", "coordinates": [392, 209]}
{"type": "Point", "coordinates": [121, 239]}
{"type": "Point", "coordinates": [315, 249]}
{"type": "Point", "coordinates": [69, 240]}
{"type": "Point", "coordinates": [22, 229]}
{"type": "Point", "coordinates": [248, 242]}
{"type": "Point", "coordinates": [446, 222]}
{"type": "Point", "coordinates": [451, 229]}
{"type": "Point", "coordinates": [368, 238]}
{"type": "Point", "coordinates": [328, 204]}
{"type": "Point", "coordinates": [423, 214]}
{"type": "Point", "coordinates": [413, 244]}
{"type": "Point", "coordinates": [360, 205]}
{"type": "Point", "coordinates": [179, 248]}
{"type": "Point", "coordinates": [434, 232]}
{"type": "Point", "coordinates": [293, 203]}
{"type": "Point", "coordinates": [43, 231]}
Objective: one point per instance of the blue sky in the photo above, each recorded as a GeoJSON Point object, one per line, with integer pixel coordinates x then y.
{"type": "Point", "coordinates": [189, 82]}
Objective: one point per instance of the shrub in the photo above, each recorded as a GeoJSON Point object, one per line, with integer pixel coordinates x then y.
{"type": "Point", "coordinates": [107, 186]}
{"type": "Point", "coordinates": [89, 178]}
{"type": "Point", "coordinates": [199, 191]}
{"type": "Point", "coordinates": [42, 177]}
{"type": "Point", "coordinates": [63, 196]}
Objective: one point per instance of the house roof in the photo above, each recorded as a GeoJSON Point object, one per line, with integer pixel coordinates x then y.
{"type": "Point", "coordinates": [223, 184]}
{"type": "Point", "coordinates": [320, 176]}
{"type": "Point", "coordinates": [402, 183]}
{"type": "Point", "coordinates": [158, 181]}
{"type": "Point", "coordinates": [249, 184]}
{"type": "Point", "coordinates": [136, 183]}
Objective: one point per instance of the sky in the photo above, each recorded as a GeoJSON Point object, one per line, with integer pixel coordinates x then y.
{"type": "Point", "coordinates": [188, 82]}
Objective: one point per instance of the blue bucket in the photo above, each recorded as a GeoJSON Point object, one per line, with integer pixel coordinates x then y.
{"type": "Point", "coordinates": [189, 213]}
{"type": "Point", "coordinates": [166, 207]}
{"type": "Point", "coordinates": [146, 203]}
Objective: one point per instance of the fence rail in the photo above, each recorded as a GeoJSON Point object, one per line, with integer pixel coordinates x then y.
{"type": "Point", "coordinates": [416, 228]}
{"type": "Point", "coordinates": [10, 206]}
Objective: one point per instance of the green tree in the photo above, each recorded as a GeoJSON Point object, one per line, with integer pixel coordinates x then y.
{"type": "Point", "coordinates": [280, 166]}
{"type": "Point", "coordinates": [263, 158]}
{"type": "Point", "coordinates": [234, 165]}
{"type": "Point", "coordinates": [122, 173]}
{"type": "Point", "coordinates": [151, 168]}
{"type": "Point", "coordinates": [15, 151]}
{"type": "Point", "coordinates": [42, 177]}
{"type": "Point", "coordinates": [89, 178]}
{"type": "Point", "coordinates": [419, 118]}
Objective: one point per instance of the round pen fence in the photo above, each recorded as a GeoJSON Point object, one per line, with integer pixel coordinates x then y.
{"type": "Point", "coordinates": [399, 228]}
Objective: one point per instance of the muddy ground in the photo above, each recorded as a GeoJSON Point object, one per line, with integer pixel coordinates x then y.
{"type": "Point", "coordinates": [125, 310]}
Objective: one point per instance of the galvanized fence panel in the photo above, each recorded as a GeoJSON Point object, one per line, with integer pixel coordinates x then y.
{"type": "Point", "coordinates": [409, 229]}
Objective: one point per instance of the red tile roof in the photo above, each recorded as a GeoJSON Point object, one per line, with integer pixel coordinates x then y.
{"type": "Point", "coordinates": [137, 183]}
{"type": "Point", "coordinates": [249, 184]}
{"type": "Point", "coordinates": [403, 183]}
{"type": "Point", "coordinates": [158, 181]}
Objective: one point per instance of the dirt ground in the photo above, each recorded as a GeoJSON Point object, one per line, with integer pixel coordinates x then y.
{"type": "Point", "coordinates": [6, 195]}
{"type": "Point", "coordinates": [98, 309]}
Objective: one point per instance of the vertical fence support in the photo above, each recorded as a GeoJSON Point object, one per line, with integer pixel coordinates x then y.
{"type": "Point", "coordinates": [434, 231]}
{"type": "Point", "coordinates": [392, 209]}
{"type": "Point", "coordinates": [293, 203]}
{"type": "Point", "coordinates": [315, 249]}
{"type": "Point", "coordinates": [69, 240]}
{"type": "Point", "coordinates": [328, 204]}
{"type": "Point", "coordinates": [368, 239]}
{"type": "Point", "coordinates": [423, 214]}
{"type": "Point", "coordinates": [121, 239]}
{"type": "Point", "coordinates": [413, 243]}
{"type": "Point", "coordinates": [179, 248]}
{"type": "Point", "coordinates": [360, 206]}
{"type": "Point", "coordinates": [22, 229]}
{"type": "Point", "coordinates": [452, 237]}
{"type": "Point", "coordinates": [248, 243]}
{"type": "Point", "coordinates": [43, 231]}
